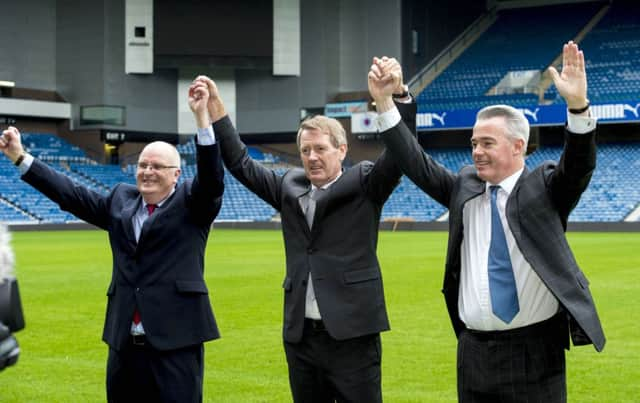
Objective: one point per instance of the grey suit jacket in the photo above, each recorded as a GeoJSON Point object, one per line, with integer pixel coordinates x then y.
{"type": "Point", "coordinates": [340, 250]}
{"type": "Point", "coordinates": [537, 211]}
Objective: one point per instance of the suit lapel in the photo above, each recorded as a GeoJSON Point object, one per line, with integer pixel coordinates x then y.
{"type": "Point", "coordinates": [472, 188]}
{"type": "Point", "coordinates": [512, 206]}
{"type": "Point", "coordinates": [322, 200]}
{"type": "Point", "coordinates": [159, 216]}
{"type": "Point", "coordinates": [299, 190]}
{"type": "Point", "coordinates": [127, 219]}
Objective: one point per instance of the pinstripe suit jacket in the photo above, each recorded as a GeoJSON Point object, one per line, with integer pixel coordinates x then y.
{"type": "Point", "coordinates": [537, 211]}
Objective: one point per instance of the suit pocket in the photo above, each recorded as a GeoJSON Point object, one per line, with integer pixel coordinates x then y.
{"type": "Point", "coordinates": [286, 284]}
{"type": "Point", "coordinates": [112, 289]}
{"type": "Point", "coordinates": [193, 287]}
{"type": "Point", "coordinates": [359, 276]}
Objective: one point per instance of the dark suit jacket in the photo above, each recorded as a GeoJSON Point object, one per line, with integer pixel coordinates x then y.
{"type": "Point", "coordinates": [162, 273]}
{"type": "Point", "coordinates": [537, 211]}
{"type": "Point", "coordinates": [340, 250]}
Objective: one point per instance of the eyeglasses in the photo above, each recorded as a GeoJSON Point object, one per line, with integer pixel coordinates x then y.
{"type": "Point", "coordinates": [154, 167]}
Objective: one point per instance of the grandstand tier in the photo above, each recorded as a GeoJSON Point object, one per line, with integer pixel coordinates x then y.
{"type": "Point", "coordinates": [529, 39]}
{"type": "Point", "coordinates": [611, 196]}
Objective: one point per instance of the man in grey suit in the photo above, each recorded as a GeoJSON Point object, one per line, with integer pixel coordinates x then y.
{"type": "Point", "coordinates": [334, 307]}
{"type": "Point", "coordinates": [512, 286]}
{"type": "Point", "coordinates": [158, 311]}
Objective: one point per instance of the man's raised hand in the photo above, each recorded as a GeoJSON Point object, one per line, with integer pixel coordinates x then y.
{"type": "Point", "coordinates": [572, 82]}
{"type": "Point", "coordinates": [384, 79]}
{"type": "Point", "coordinates": [11, 144]}
{"type": "Point", "coordinates": [215, 104]}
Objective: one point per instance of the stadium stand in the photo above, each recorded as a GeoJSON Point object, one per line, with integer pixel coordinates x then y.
{"type": "Point", "coordinates": [611, 196]}
{"type": "Point", "coordinates": [51, 148]}
{"type": "Point", "coordinates": [408, 200]}
{"type": "Point", "coordinates": [613, 192]}
{"type": "Point", "coordinates": [515, 42]}
{"type": "Point", "coordinates": [612, 51]}
{"type": "Point", "coordinates": [101, 177]}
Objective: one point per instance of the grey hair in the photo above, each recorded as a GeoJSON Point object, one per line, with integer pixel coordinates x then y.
{"type": "Point", "coordinates": [326, 125]}
{"type": "Point", "coordinates": [517, 124]}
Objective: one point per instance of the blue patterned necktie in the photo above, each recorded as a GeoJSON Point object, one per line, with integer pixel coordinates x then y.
{"type": "Point", "coordinates": [502, 284]}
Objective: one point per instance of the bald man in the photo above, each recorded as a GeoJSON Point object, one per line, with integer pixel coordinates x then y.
{"type": "Point", "coordinates": [158, 311]}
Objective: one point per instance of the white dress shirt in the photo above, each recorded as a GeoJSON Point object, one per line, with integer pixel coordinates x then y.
{"type": "Point", "coordinates": [536, 302]}
{"type": "Point", "coordinates": [474, 301]}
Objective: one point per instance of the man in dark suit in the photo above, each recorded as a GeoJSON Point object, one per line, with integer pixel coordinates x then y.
{"type": "Point", "coordinates": [334, 307]}
{"type": "Point", "coordinates": [158, 311]}
{"type": "Point", "coordinates": [512, 287]}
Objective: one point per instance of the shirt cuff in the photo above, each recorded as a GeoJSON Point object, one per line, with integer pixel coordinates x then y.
{"type": "Point", "coordinates": [25, 164]}
{"type": "Point", "coordinates": [206, 136]}
{"type": "Point", "coordinates": [406, 100]}
{"type": "Point", "coordinates": [388, 119]}
{"type": "Point", "coordinates": [578, 124]}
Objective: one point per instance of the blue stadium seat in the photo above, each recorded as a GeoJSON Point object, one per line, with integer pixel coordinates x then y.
{"type": "Point", "coordinates": [514, 42]}
{"type": "Point", "coordinates": [611, 196]}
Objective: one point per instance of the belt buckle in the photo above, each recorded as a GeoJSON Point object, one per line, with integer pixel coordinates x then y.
{"type": "Point", "coordinates": [138, 339]}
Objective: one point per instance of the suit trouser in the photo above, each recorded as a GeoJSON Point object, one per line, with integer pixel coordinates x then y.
{"type": "Point", "coordinates": [322, 369]}
{"type": "Point", "coordinates": [520, 365]}
{"type": "Point", "coordinates": [140, 373]}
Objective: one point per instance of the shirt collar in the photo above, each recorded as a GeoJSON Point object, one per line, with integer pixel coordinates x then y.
{"type": "Point", "coordinates": [326, 185]}
{"type": "Point", "coordinates": [509, 182]}
{"type": "Point", "coordinates": [161, 202]}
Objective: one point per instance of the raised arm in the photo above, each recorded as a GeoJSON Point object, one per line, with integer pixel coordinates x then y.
{"type": "Point", "coordinates": [578, 161]}
{"type": "Point", "coordinates": [385, 173]}
{"type": "Point", "coordinates": [260, 180]}
{"type": "Point", "coordinates": [76, 199]}
{"type": "Point", "coordinates": [401, 143]}
{"type": "Point", "coordinates": [208, 185]}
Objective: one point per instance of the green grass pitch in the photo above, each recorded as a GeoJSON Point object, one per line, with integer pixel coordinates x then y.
{"type": "Point", "coordinates": [64, 276]}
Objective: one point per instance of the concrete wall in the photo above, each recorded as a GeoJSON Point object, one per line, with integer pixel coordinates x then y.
{"type": "Point", "coordinates": [28, 25]}
{"type": "Point", "coordinates": [77, 49]}
{"type": "Point", "coordinates": [91, 71]}
{"type": "Point", "coordinates": [339, 38]}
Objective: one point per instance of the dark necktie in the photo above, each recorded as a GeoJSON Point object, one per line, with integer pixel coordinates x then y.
{"type": "Point", "coordinates": [502, 284]}
{"type": "Point", "coordinates": [136, 314]}
{"type": "Point", "coordinates": [151, 208]}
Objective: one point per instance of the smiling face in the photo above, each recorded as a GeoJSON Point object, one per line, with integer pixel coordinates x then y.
{"type": "Point", "coordinates": [158, 171]}
{"type": "Point", "coordinates": [496, 155]}
{"type": "Point", "coordinates": [321, 159]}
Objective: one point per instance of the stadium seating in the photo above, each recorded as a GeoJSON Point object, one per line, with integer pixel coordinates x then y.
{"type": "Point", "coordinates": [516, 42]}
{"type": "Point", "coordinates": [408, 201]}
{"type": "Point", "coordinates": [612, 51]}
{"type": "Point", "coordinates": [51, 148]}
{"type": "Point", "coordinates": [102, 177]}
{"type": "Point", "coordinates": [520, 39]}
{"type": "Point", "coordinates": [613, 192]}
{"type": "Point", "coordinates": [611, 196]}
